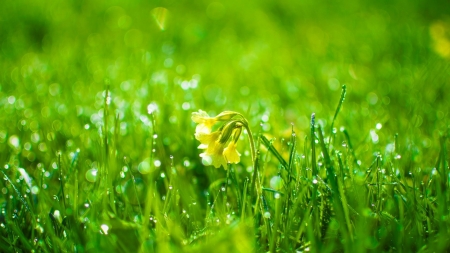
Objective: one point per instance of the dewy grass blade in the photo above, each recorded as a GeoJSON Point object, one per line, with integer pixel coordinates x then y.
{"type": "Point", "coordinates": [338, 108]}
{"type": "Point", "coordinates": [270, 147]}
{"type": "Point", "coordinates": [61, 180]}
{"type": "Point", "coordinates": [292, 152]}
{"type": "Point", "coordinates": [19, 195]}
{"type": "Point", "coordinates": [313, 146]}
{"type": "Point", "coordinates": [336, 200]}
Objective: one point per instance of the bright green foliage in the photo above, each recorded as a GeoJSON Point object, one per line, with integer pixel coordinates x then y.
{"type": "Point", "coordinates": [347, 101]}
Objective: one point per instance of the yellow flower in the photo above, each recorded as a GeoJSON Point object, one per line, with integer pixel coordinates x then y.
{"type": "Point", "coordinates": [204, 122]}
{"type": "Point", "coordinates": [207, 139]}
{"type": "Point", "coordinates": [217, 153]}
{"type": "Point", "coordinates": [213, 154]}
{"type": "Point", "coordinates": [231, 154]}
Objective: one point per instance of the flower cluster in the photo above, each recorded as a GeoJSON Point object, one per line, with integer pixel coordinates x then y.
{"type": "Point", "coordinates": [219, 145]}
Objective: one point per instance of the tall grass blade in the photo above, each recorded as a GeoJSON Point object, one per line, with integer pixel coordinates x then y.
{"type": "Point", "coordinates": [338, 108]}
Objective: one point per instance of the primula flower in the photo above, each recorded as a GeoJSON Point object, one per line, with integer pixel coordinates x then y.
{"type": "Point", "coordinates": [231, 154]}
{"type": "Point", "coordinates": [217, 152]}
{"type": "Point", "coordinates": [204, 122]}
{"type": "Point", "coordinates": [207, 139]}
{"type": "Point", "coordinates": [214, 155]}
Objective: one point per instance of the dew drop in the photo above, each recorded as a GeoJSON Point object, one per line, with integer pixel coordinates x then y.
{"type": "Point", "coordinates": [91, 175]}
{"type": "Point", "coordinates": [144, 167]}
{"type": "Point", "coordinates": [104, 228]}
{"type": "Point", "coordinates": [35, 190]}
{"type": "Point", "coordinates": [276, 182]}
{"type": "Point", "coordinates": [14, 141]}
{"type": "Point", "coordinates": [186, 106]}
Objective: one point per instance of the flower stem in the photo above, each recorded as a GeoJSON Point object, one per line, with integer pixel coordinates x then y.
{"type": "Point", "coordinates": [255, 193]}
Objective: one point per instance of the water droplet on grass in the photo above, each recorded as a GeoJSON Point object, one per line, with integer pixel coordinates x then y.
{"type": "Point", "coordinates": [186, 106]}
{"type": "Point", "coordinates": [91, 175]}
{"type": "Point", "coordinates": [374, 136]}
{"type": "Point", "coordinates": [11, 100]}
{"type": "Point", "coordinates": [276, 182]}
{"type": "Point", "coordinates": [185, 85]}
{"type": "Point", "coordinates": [14, 141]}
{"type": "Point", "coordinates": [144, 167]}
{"type": "Point", "coordinates": [152, 107]}
{"type": "Point", "coordinates": [104, 229]}
{"type": "Point", "coordinates": [35, 190]}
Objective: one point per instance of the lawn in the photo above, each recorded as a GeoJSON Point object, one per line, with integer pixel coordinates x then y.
{"type": "Point", "coordinates": [115, 114]}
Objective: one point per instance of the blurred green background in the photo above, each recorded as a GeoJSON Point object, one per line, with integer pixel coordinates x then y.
{"type": "Point", "coordinates": [275, 61]}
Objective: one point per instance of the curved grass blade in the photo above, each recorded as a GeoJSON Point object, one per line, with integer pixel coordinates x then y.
{"type": "Point", "coordinates": [338, 108]}
{"type": "Point", "coordinates": [270, 147]}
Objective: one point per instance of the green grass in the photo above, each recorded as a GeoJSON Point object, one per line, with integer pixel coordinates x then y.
{"type": "Point", "coordinates": [347, 100]}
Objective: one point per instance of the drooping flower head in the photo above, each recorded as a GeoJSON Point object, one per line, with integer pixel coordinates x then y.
{"type": "Point", "coordinates": [205, 122]}
{"type": "Point", "coordinates": [220, 145]}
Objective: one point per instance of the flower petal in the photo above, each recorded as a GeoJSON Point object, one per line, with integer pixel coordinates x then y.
{"type": "Point", "coordinates": [202, 129]}
{"type": "Point", "coordinates": [207, 138]}
{"type": "Point", "coordinates": [231, 154]}
{"type": "Point", "coordinates": [219, 160]}
{"type": "Point", "coordinates": [200, 116]}
{"type": "Point", "coordinates": [214, 160]}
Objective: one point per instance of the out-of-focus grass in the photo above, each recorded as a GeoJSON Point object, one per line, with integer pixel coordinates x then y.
{"type": "Point", "coordinates": [95, 104]}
